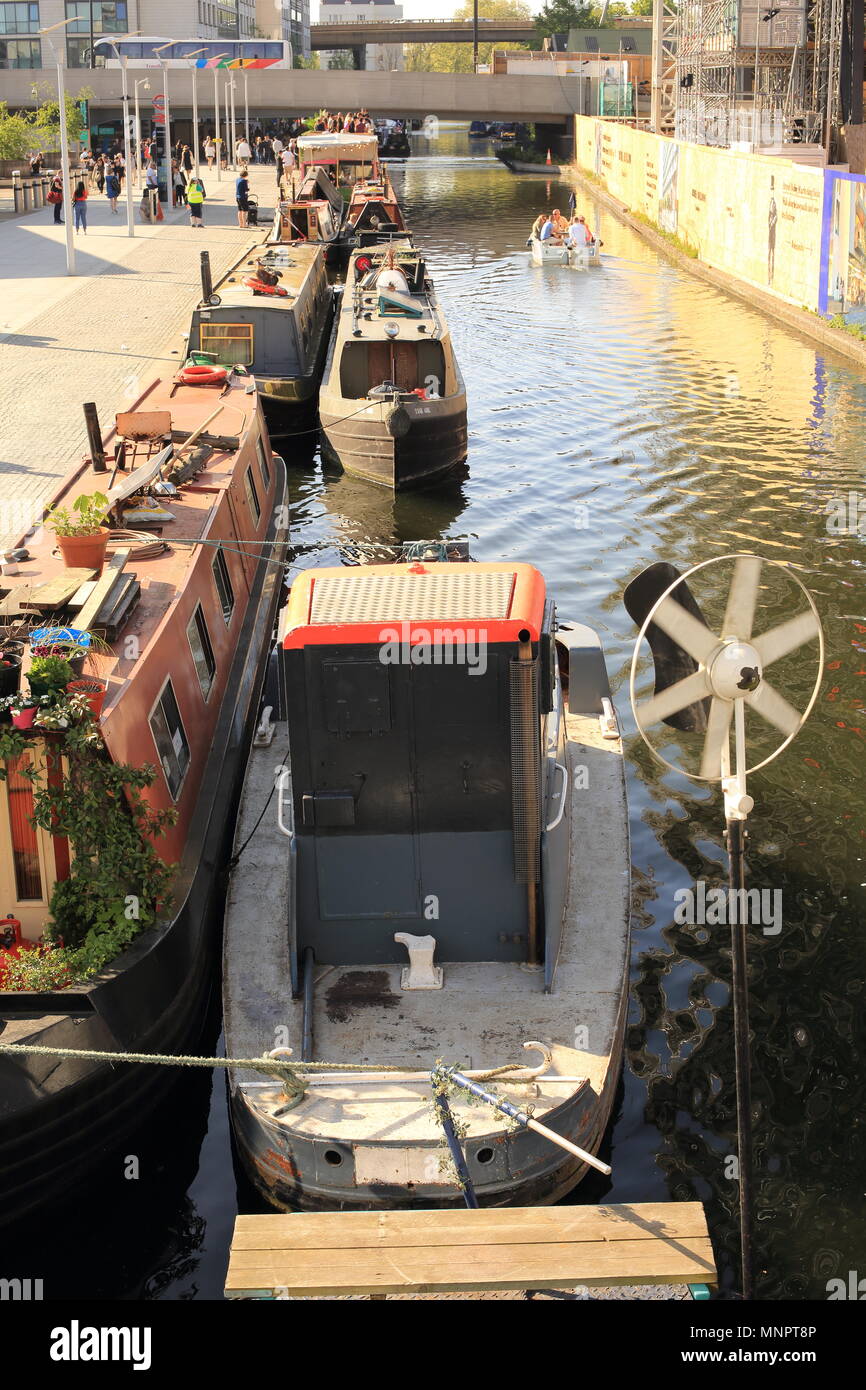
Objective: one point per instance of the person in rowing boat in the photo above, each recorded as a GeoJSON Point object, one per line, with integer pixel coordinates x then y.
{"type": "Point", "coordinates": [560, 225]}
{"type": "Point", "coordinates": [579, 234]}
{"type": "Point", "coordinates": [537, 226]}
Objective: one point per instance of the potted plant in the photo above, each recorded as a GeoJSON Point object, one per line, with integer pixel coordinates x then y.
{"type": "Point", "coordinates": [93, 689]}
{"type": "Point", "coordinates": [81, 532]}
{"type": "Point", "coordinates": [48, 674]}
{"type": "Point", "coordinates": [23, 710]}
{"type": "Point", "coordinates": [10, 672]}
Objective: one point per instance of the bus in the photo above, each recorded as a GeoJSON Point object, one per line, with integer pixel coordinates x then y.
{"type": "Point", "coordinates": [139, 52]}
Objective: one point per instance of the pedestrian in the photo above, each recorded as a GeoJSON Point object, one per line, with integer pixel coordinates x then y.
{"type": "Point", "coordinates": [112, 188]}
{"type": "Point", "coordinates": [243, 151]}
{"type": "Point", "coordinates": [277, 148]}
{"type": "Point", "coordinates": [187, 161]}
{"type": "Point", "coordinates": [242, 189]}
{"type": "Point", "coordinates": [209, 152]}
{"type": "Point", "coordinates": [79, 207]}
{"type": "Point", "coordinates": [55, 197]}
{"type": "Point", "coordinates": [36, 162]}
{"type": "Point", "coordinates": [195, 196]}
{"type": "Point", "coordinates": [258, 153]}
{"type": "Point", "coordinates": [179, 185]}
{"type": "Point", "coordinates": [224, 153]}
{"type": "Point", "coordinates": [100, 173]}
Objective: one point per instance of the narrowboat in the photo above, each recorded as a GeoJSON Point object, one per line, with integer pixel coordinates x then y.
{"type": "Point", "coordinates": [443, 875]}
{"type": "Point", "coordinates": [393, 140]}
{"type": "Point", "coordinates": [374, 214]}
{"type": "Point", "coordinates": [271, 313]}
{"type": "Point", "coordinates": [310, 210]}
{"type": "Point", "coordinates": [392, 404]}
{"type": "Point", "coordinates": [178, 626]}
{"type": "Point", "coordinates": [345, 158]}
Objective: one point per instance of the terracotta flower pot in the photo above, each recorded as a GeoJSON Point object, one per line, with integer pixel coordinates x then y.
{"type": "Point", "coordinates": [25, 719]}
{"type": "Point", "coordinates": [84, 552]}
{"type": "Point", "coordinates": [95, 697]}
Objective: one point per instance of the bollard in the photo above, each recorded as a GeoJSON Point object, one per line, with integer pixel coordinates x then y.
{"type": "Point", "coordinates": [27, 195]}
{"type": "Point", "coordinates": [17, 192]}
{"type": "Point", "coordinates": [38, 193]}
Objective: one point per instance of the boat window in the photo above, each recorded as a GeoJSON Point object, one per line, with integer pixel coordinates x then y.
{"type": "Point", "coordinates": [223, 585]}
{"type": "Point", "coordinates": [25, 849]}
{"type": "Point", "coordinates": [263, 462]}
{"type": "Point", "coordinates": [202, 651]}
{"type": "Point", "coordinates": [229, 342]}
{"type": "Point", "coordinates": [252, 495]}
{"type": "Point", "coordinates": [170, 738]}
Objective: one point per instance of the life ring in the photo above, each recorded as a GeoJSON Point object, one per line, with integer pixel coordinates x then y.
{"type": "Point", "coordinates": [203, 376]}
{"type": "Point", "coordinates": [258, 287]}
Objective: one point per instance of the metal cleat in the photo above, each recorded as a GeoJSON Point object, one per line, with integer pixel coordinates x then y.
{"type": "Point", "coordinates": [420, 973]}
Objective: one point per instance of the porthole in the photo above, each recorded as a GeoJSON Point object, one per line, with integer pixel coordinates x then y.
{"type": "Point", "coordinates": [333, 1157]}
{"type": "Point", "coordinates": [484, 1156]}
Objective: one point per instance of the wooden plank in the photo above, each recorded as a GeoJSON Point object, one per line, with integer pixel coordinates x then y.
{"type": "Point", "coordinates": [461, 1251]}
{"type": "Point", "coordinates": [501, 1226]}
{"type": "Point", "coordinates": [111, 576]}
{"type": "Point", "coordinates": [55, 593]}
{"type": "Point", "coordinates": [10, 604]}
{"type": "Point", "coordinates": [475, 1267]}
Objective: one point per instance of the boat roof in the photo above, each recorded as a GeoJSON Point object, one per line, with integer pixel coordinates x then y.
{"type": "Point", "coordinates": [294, 263]}
{"type": "Point", "coordinates": [454, 602]}
{"type": "Point", "coordinates": [328, 149]}
{"type": "Point", "coordinates": [373, 321]}
{"type": "Point", "coordinates": [162, 577]}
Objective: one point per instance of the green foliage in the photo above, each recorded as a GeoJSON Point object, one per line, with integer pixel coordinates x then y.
{"type": "Point", "coordinates": [558, 16]}
{"type": "Point", "coordinates": [855, 329]}
{"type": "Point", "coordinates": [91, 512]}
{"type": "Point", "coordinates": [23, 131]}
{"type": "Point", "coordinates": [117, 883]}
{"type": "Point", "coordinates": [342, 61]}
{"type": "Point", "coordinates": [309, 63]}
{"type": "Point", "coordinates": [49, 673]}
{"type": "Point", "coordinates": [457, 57]}
{"type": "Point", "coordinates": [17, 136]}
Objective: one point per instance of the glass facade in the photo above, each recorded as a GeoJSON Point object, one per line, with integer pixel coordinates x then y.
{"type": "Point", "coordinates": [97, 17]}
{"type": "Point", "coordinates": [17, 18]}
{"type": "Point", "coordinates": [20, 53]}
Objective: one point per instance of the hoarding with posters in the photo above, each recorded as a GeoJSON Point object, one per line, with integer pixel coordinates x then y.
{"type": "Point", "coordinates": [843, 247]}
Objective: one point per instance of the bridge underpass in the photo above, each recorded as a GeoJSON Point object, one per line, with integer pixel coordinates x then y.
{"type": "Point", "coordinates": [547, 100]}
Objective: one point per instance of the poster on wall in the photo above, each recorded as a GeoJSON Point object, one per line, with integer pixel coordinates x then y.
{"type": "Point", "coordinates": [843, 259]}
{"type": "Point", "coordinates": [668, 186]}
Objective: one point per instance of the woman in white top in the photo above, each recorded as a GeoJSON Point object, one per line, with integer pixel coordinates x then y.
{"type": "Point", "coordinates": [209, 152]}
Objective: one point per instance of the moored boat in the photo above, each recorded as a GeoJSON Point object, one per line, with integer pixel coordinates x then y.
{"type": "Point", "coordinates": [449, 851]}
{"type": "Point", "coordinates": [311, 210]}
{"type": "Point", "coordinates": [270, 313]}
{"type": "Point", "coordinates": [374, 214]}
{"type": "Point", "coordinates": [176, 631]}
{"type": "Point", "coordinates": [392, 404]}
{"type": "Point", "coordinates": [345, 158]}
{"type": "Point", "coordinates": [552, 252]}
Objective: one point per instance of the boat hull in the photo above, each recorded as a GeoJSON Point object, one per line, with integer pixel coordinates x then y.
{"type": "Point", "coordinates": [433, 445]}
{"type": "Point", "coordinates": [58, 1120]}
{"type": "Point", "coordinates": [549, 253]}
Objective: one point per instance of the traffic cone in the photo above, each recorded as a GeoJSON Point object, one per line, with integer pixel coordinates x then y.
{"type": "Point", "coordinates": [548, 160]}
{"type": "Point", "coordinates": [160, 217]}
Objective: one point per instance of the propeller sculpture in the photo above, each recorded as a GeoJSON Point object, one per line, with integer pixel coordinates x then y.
{"type": "Point", "coordinates": [704, 683]}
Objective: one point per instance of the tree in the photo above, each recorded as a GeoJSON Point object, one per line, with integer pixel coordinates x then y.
{"type": "Point", "coordinates": [457, 57]}
{"type": "Point", "coordinates": [558, 16]}
{"type": "Point", "coordinates": [343, 60]}
{"type": "Point", "coordinates": [17, 136]}
{"type": "Point", "coordinates": [311, 62]}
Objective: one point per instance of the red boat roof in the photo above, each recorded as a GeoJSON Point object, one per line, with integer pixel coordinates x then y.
{"type": "Point", "coordinates": [414, 603]}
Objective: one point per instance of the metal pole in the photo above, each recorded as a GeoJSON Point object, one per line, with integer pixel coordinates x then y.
{"type": "Point", "coordinates": [64, 165]}
{"type": "Point", "coordinates": [740, 996]}
{"type": "Point", "coordinates": [168, 176]}
{"type": "Point", "coordinates": [756, 133]}
{"type": "Point", "coordinates": [228, 139]}
{"type": "Point", "coordinates": [234, 125]}
{"type": "Point", "coordinates": [457, 1157]}
{"type": "Point", "coordinates": [246, 109]}
{"type": "Point", "coordinates": [195, 118]}
{"type": "Point", "coordinates": [216, 107]}
{"type": "Point", "coordinates": [137, 140]}
{"type": "Point", "coordinates": [127, 153]}
{"type": "Point", "coordinates": [475, 36]}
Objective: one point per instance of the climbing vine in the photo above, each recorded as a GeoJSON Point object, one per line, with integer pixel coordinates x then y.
{"type": "Point", "coordinates": [117, 883]}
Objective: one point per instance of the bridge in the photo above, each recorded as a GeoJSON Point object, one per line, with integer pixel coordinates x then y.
{"type": "Point", "coordinates": [352, 33]}
{"type": "Point", "coordinates": [548, 100]}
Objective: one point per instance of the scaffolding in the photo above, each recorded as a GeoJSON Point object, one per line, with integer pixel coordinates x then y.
{"type": "Point", "coordinates": [746, 71]}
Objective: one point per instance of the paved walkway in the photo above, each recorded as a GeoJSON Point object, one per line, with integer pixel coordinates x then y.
{"type": "Point", "coordinates": [100, 335]}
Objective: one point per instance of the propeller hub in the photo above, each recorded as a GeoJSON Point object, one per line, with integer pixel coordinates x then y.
{"type": "Point", "coordinates": [735, 670]}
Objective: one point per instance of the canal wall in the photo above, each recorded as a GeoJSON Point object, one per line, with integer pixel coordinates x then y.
{"type": "Point", "coordinates": [794, 232]}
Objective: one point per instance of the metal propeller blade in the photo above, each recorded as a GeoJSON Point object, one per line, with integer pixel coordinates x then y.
{"type": "Point", "coordinates": [718, 731]}
{"type": "Point", "coordinates": [672, 661]}
{"type": "Point", "coordinates": [773, 707]}
{"type": "Point", "coordinates": [742, 597]}
{"type": "Point", "coordinates": [785, 638]}
{"type": "Point", "coordinates": [674, 698]}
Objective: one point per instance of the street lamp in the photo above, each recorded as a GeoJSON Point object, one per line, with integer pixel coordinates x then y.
{"type": "Point", "coordinates": [246, 110]}
{"type": "Point", "coordinates": [216, 109]}
{"type": "Point", "coordinates": [167, 118]}
{"type": "Point", "coordinates": [127, 153]}
{"type": "Point", "coordinates": [232, 87]}
{"type": "Point", "coordinates": [145, 83]}
{"type": "Point", "coordinates": [195, 53]}
{"type": "Point", "coordinates": [64, 145]}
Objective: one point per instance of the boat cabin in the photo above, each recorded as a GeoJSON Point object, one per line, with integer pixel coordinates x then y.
{"type": "Point", "coordinates": [271, 314]}
{"type": "Point", "coordinates": [374, 212]}
{"type": "Point", "coordinates": [346, 158]}
{"type": "Point", "coordinates": [419, 696]}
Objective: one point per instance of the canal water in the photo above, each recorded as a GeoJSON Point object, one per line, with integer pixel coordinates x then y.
{"type": "Point", "coordinates": [616, 417]}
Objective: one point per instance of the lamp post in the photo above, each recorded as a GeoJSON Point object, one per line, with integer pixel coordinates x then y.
{"type": "Point", "coordinates": [127, 153]}
{"type": "Point", "coordinates": [64, 145]}
{"type": "Point", "coordinates": [145, 83]}
{"type": "Point", "coordinates": [246, 110]}
{"type": "Point", "coordinates": [195, 53]}
{"type": "Point", "coordinates": [232, 86]}
{"type": "Point", "coordinates": [216, 110]}
{"type": "Point", "coordinates": [167, 117]}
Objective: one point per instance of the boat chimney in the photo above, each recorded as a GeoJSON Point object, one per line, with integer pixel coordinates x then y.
{"type": "Point", "coordinates": [94, 438]}
{"type": "Point", "coordinates": [206, 281]}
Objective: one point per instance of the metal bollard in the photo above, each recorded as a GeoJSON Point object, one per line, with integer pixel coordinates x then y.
{"type": "Point", "coordinates": [17, 192]}
{"type": "Point", "coordinates": [27, 196]}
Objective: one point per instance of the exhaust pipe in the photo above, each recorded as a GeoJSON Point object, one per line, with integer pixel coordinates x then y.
{"type": "Point", "coordinates": [526, 783]}
{"type": "Point", "coordinates": [206, 280]}
{"type": "Point", "coordinates": [94, 438]}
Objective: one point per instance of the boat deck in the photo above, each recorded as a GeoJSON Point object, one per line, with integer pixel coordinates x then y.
{"type": "Point", "coordinates": [485, 1011]}
{"type": "Point", "coordinates": [294, 264]}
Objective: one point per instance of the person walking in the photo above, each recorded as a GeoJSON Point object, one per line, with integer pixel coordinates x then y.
{"type": "Point", "coordinates": [195, 196]}
{"type": "Point", "coordinates": [79, 207]}
{"type": "Point", "coordinates": [99, 173]}
{"type": "Point", "coordinates": [209, 152]}
{"type": "Point", "coordinates": [244, 152]}
{"type": "Point", "coordinates": [187, 161]}
{"type": "Point", "coordinates": [179, 185]}
{"type": "Point", "coordinates": [242, 189]}
{"type": "Point", "coordinates": [55, 198]}
{"type": "Point", "coordinates": [112, 188]}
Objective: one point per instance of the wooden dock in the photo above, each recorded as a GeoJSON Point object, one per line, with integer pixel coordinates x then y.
{"type": "Point", "coordinates": [328, 1254]}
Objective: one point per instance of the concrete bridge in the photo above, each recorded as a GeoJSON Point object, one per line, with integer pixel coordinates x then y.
{"type": "Point", "coordinates": [352, 33]}
{"type": "Point", "coordinates": [450, 96]}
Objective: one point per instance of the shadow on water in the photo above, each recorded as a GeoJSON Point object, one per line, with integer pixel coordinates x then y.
{"type": "Point", "coordinates": [617, 417]}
